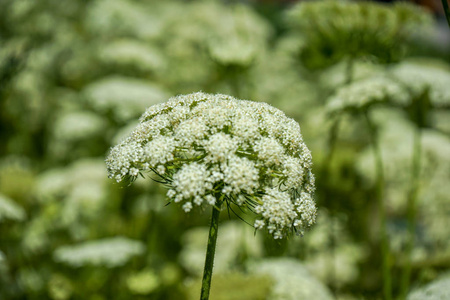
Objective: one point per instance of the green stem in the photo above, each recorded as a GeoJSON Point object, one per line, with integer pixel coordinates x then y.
{"type": "Point", "coordinates": [384, 245]}
{"type": "Point", "coordinates": [446, 11]}
{"type": "Point", "coordinates": [332, 139]}
{"type": "Point", "coordinates": [325, 172]}
{"type": "Point", "coordinates": [411, 212]}
{"type": "Point", "coordinates": [349, 71]}
{"type": "Point", "coordinates": [331, 143]}
{"type": "Point", "coordinates": [210, 251]}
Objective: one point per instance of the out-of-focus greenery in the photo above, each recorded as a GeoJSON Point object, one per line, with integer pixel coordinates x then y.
{"type": "Point", "coordinates": [76, 75]}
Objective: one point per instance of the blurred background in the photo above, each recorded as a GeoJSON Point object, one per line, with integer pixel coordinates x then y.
{"type": "Point", "coordinates": [76, 75]}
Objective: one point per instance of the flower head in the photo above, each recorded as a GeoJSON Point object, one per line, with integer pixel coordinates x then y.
{"type": "Point", "coordinates": [209, 148]}
{"type": "Point", "coordinates": [362, 94]}
{"type": "Point", "coordinates": [332, 30]}
{"type": "Point", "coordinates": [419, 78]}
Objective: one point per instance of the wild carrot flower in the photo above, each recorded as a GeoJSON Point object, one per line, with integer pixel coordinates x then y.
{"type": "Point", "coordinates": [419, 78]}
{"type": "Point", "coordinates": [108, 252]}
{"type": "Point", "coordinates": [361, 94]}
{"type": "Point", "coordinates": [215, 148]}
{"type": "Point", "coordinates": [333, 30]}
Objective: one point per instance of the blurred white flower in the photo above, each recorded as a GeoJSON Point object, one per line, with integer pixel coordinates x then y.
{"type": "Point", "coordinates": [233, 51]}
{"type": "Point", "coordinates": [9, 210]}
{"type": "Point", "coordinates": [292, 281]}
{"type": "Point", "coordinates": [121, 17]}
{"type": "Point", "coordinates": [438, 289]}
{"type": "Point", "coordinates": [434, 200]}
{"type": "Point", "coordinates": [108, 252]}
{"type": "Point", "coordinates": [208, 35]}
{"type": "Point", "coordinates": [130, 53]}
{"type": "Point", "coordinates": [124, 97]}
{"type": "Point", "coordinates": [420, 78]}
{"type": "Point", "coordinates": [75, 126]}
{"type": "Point", "coordinates": [359, 95]}
{"type": "Point", "coordinates": [56, 182]}
{"type": "Point", "coordinates": [335, 76]}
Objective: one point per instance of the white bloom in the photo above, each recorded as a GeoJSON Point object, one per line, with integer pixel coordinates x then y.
{"type": "Point", "coordinates": [435, 290]}
{"type": "Point", "coordinates": [198, 200]}
{"type": "Point", "coordinates": [153, 128]}
{"type": "Point", "coordinates": [278, 210]}
{"type": "Point", "coordinates": [419, 78]}
{"type": "Point", "coordinates": [245, 127]}
{"type": "Point", "coordinates": [160, 169]}
{"type": "Point", "coordinates": [191, 180]}
{"type": "Point", "coordinates": [269, 150]}
{"type": "Point", "coordinates": [210, 199]}
{"type": "Point", "coordinates": [171, 193]}
{"type": "Point", "coordinates": [159, 151]}
{"type": "Point", "coordinates": [124, 97]}
{"type": "Point", "coordinates": [10, 210]}
{"type": "Point", "coordinates": [190, 131]}
{"type": "Point", "coordinates": [240, 200]}
{"type": "Point", "coordinates": [363, 93]}
{"type": "Point", "coordinates": [241, 175]}
{"type": "Point", "coordinates": [291, 280]}
{"type": "Point", "coordinates": [134, 171]}
{"type": "Point", "coordinates": [109, 252]}
{"type": "Point", "coordinates": [259, 224]}
{"type": "Point", "coordinates": [202, 144]}
{"type": "Point", "coordinates": [306, 208]}
{"type": "Point", "coordinates": [187, 206]}
{"type": "Point", "coordinates": [77, 126]}
{"type": "Point", "coordinates": [293, 171]}
{"type": "Point", "coordinates": [220, 147]}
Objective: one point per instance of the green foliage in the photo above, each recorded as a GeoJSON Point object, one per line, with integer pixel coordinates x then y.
{"type": "Point", "coordinates": [234, 286]}
{"type": "Point", "coordinates": [76, 75]}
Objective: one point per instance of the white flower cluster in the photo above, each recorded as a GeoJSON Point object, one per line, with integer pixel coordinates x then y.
{"type": "Point", "coordinates": [419, 78]}
{"type": "Point", "coordinates": [129, 53]}
{"type": "Point", "coordinates": [109, 252]}
{"type": "Point", "coordinates": [291, 280]}
{"type": "Point", "coordinates": [9, 210]}
{"type": "Point", "coordinates": [363, 93]}
{"type": "Point", "coordinates": [435, 290]}
{"type": "Point", "coordinates": [209, 148]}
{"type": "Point", "coordinates": [124, 97]}
{"type": "Point", "coordinates": [76, 126]}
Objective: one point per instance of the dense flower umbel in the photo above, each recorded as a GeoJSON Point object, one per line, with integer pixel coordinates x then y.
{"type": "Point", "coordinates": [206, 146]}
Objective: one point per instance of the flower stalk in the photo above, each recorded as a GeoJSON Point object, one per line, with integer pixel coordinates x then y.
{"type": "Point", "coordinates": [418, 112]}
{"type": "Point", "coordinates": [446, 11]}
{"type": "Point", "coordinates": [210, 251]}
{"type": "Point", "coordinates": [384, 244]}
{"type": "Point", "coordinates": [411, 212]}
